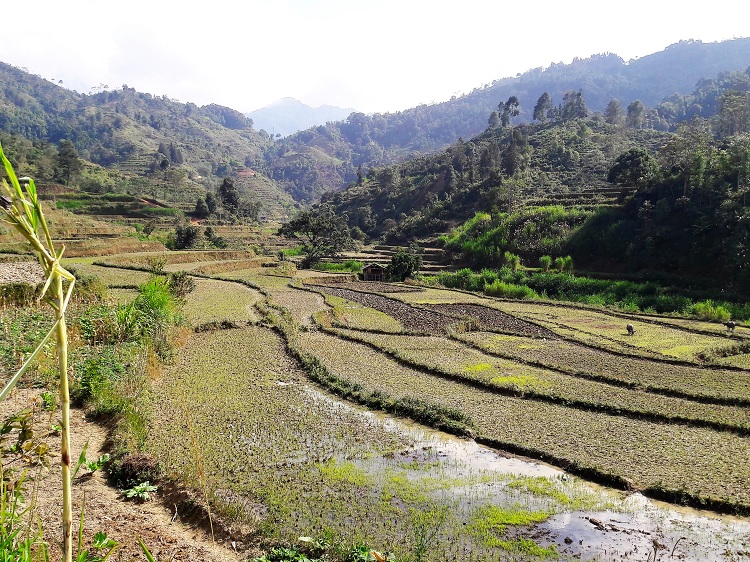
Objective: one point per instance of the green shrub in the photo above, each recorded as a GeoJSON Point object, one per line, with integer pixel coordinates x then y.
{"type": "Point", "coordinates": [567, 264]}
{"type": "Point", "coordinates": [403, 264]}
{"type": "Point", "coordinates": [510, 290]}
{"type": "Point", "coordinates": [511, 261]}
{"type": "Point", "coordinates": [180, 283]}
{"type": "Point", "coordinates": [352, 266]}
{"type": "Point", "coordinates": [545, 262]}
{"type": "Point", "coordinates": [708, 310]}
{"type": "Point", "coordinates": [17, 294]}
{"type": "Point", "coordinates": [162, 211]}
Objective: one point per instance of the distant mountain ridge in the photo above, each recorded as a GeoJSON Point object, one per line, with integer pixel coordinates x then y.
{"type": "Point", "coordinates": [311, 162]}
{"type": "Point", "coordinates": [288, 116]}
{"type": "Point", "coordinates": [124, 128]}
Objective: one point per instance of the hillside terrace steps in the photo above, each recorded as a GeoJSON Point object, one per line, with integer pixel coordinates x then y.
{"type": "Point", "coordinates": [433, 259]}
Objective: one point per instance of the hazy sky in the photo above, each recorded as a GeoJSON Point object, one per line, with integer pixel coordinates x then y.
{"type": "Point", "coordinates": [369, 55]}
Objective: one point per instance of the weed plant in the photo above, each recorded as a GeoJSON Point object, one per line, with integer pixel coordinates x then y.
{"type": "Point", "coordinates": [21, 446]}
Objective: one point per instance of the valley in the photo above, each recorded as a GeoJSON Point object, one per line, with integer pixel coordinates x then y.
{"type": "Point", "coordinates": [483, 329]}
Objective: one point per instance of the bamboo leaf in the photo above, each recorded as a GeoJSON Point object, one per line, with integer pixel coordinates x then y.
{"type": "Point", "coordinates": [12, 382]}
{"type": "Point", "coordinates": [145, 550]}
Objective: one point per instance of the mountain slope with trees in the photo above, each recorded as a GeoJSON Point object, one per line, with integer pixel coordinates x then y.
{"type": "Point", "coordinates": [610, 190]}
{"type": "Point", "coordinates": [187, 147]}
{"type": "Point", "coordinates": [327, 157]}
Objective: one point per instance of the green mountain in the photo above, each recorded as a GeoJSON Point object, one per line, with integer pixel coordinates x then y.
{"type": "Point", "coordinates": [188, 147]}
{"type": "Point", "coordinates": [165, 149]}
{"type": "Point", "coordinates": [325, 158]}
{"type": "Point", "coordinates": [609, 190]}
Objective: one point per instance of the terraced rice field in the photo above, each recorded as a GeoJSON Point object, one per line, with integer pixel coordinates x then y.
{"type": "Point", "coordinates": [459, 362]}
{"type": "Point", "coordinates": [111, 276]}
{"type": "Point", "coordinates": [563, 384]}
{"type": "Point", "coordinates": [702, 383]}
{"type": "Point", "coordinates": [578, 362]}
{"type": "Point", "coordinates": [651, 455]}
{"type": "Point", "coordinates": [284, 454]}
{"type": "Point", "coordinates": [608, 331]}
{"type": "Point", "coordinates": [351, 314]}
{"type": "Point", "coordinates": [214, 301]}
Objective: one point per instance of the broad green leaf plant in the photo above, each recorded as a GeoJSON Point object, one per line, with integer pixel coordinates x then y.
{"type": "Point", "coordinates": [20, 207]}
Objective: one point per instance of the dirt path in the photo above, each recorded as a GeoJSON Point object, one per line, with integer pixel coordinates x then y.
{"type": "Point", "coordinates": [167, 535]}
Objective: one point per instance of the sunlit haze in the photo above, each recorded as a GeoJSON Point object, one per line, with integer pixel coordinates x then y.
{"type": "Point", "coordinates": [373, 56]}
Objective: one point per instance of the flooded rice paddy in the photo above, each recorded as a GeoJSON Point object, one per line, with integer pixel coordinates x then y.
{"type": "Point", "coordinates": [632, 527]}
{"type": "Point", "coordinates": [298, 462]}
{"type": "Point", "coordinates": [237, 417]}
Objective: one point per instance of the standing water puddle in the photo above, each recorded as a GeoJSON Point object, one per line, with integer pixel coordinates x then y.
{"type": "Point", "coordinates": [591, 522]}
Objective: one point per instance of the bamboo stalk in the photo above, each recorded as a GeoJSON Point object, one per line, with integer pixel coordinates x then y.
{"type": "Point", "coordinates": [62, 357]}
{"type": "Point", "coordinates": [21, 209]}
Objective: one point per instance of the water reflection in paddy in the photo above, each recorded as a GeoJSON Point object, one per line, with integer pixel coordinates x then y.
{"type": "Point", "coordinates": [629, 527]}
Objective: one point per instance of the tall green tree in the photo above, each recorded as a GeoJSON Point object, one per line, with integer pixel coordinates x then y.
{"type": "Point", "coordinates": [542, 108]}
{"type": "Point", "coordinates": [404, 263]}
{"type": "Point", "coordinates": [211, 202]}
{"type": "Point", "coordinates": [321, 231]}
{"type": "Point", "coordinates": [494, 121]}
{"type": "Point", "coordinates": [613, 112]}
{"type": "Point", "coordinates": [574, 106]}
{"type": "Point", "coordinates": [734, 114]}
{"type": "Point", "coordinates": [201, 209]}
{"type": "Point", "coordinates": [687, 152]}
{"type": "Point", "coordinates": [229, 195]}
{"type": "Point", "coordinates": [636, 115]}
{"type": "Point", "coordinates": [68, 163]}
{"type": "Point", "coordinates": [510, 109]}
{"type": "Point", "coordinates": [635, 168]}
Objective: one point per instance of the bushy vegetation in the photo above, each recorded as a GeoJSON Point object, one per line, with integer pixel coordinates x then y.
{"type": "Point", "coordinates": [351, 266]}
{"type": "Point", "coordinates": [628, 295]}
{"type": "Point", "coordinates": [533, 232]}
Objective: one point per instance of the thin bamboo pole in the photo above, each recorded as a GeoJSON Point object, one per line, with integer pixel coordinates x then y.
{"type": "Point", "coordinates": [62, 358]}
{"type": "Point", "coordinates": [20, 208]}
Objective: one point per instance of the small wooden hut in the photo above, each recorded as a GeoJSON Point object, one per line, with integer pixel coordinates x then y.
{"type": "Point", "coordinates": [373, 272]}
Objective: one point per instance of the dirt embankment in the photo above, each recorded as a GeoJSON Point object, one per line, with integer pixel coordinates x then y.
{"type": "Point", "coordinates": [168, 534]}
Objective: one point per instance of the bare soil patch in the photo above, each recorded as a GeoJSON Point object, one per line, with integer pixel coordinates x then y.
{"type": "Point", "coordinates": [169, 534]}
{"type": "Point", "coordinates": [415, 320]}
{"type": "Point", "coordinates": [490, 318]}
{"type": "Point", "coordinates": [29, 272]}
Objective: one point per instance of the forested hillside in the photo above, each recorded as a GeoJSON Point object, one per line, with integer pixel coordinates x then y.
{"type": "Point", "coordinates": [327, 157]}
{"type": "Point", "coordinates": [610, 190]}
{"type": "Point", "coordinates": [171, 146]}
{"type": "Point", "coordinates": [199, 146]}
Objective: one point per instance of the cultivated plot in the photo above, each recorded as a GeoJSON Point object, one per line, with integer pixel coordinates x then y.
{"type": "Point", "coordinates": [703, 462]}
{"type": "Point", "coordinates": [216, 301]}
{"type": "Point", "coordinates": [452, 359]}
